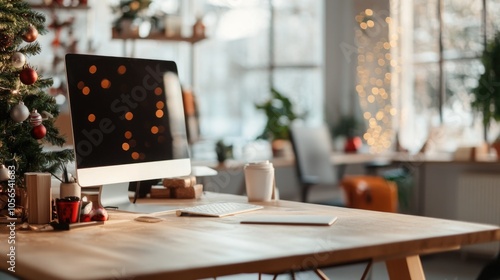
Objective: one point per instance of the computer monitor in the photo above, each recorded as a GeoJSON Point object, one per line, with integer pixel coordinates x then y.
{"type": "Point", "coordinates": [128, 125]}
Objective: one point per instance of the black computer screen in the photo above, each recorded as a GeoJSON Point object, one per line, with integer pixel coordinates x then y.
{"type": "Point", "coordinates": [123, 112]}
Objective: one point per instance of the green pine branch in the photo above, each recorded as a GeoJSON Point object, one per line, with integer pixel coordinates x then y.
{"type": "Point", "coordinates": [41, 101]}
{"type": "Point", "coordinates": [17, 146]}
{"type": "Point", "coordinates": [31, 49]}
{"type": "Point", "coordinates": [53, 137]}
{"type": "Point", "coordinates": [53, 159]}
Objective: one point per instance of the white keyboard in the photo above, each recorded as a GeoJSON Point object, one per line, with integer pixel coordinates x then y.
{"type": "Point", "coordinates": [218, 209]}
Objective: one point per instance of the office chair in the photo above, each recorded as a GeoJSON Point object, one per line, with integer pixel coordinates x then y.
{"type": "Point", "coordinates": [312, 148]}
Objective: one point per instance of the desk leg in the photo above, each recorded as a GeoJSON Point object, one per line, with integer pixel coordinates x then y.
{"type": "Point", "coordinates": [405, 268]}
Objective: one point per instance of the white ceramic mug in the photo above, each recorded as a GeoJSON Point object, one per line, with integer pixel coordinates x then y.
{"type": "Point", "coordinates": [259, 181]}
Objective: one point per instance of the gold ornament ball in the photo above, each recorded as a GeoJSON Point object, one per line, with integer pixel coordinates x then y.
{"type": "Point", "coordinates": [31, 34]}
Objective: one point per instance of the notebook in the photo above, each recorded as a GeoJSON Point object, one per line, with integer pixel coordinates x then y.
{"type": "Point", "coordinates": [316, 220]}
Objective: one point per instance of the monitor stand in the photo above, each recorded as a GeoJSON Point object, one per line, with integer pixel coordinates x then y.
{"type": "Point", "coordinates": [115, 196]}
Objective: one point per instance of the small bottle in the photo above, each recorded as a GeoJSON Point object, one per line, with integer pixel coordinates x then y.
{"type": "Point", "coordinates": [199, 28]}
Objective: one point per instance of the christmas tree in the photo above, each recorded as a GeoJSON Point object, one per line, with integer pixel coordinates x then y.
{"type": "Point", "coordinates": [27, 112]}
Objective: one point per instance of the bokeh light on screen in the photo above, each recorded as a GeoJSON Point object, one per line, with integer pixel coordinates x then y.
{"type": "Point", "coordinates": [91, 118]}
{"type": "Point", "coordinates": [80, 85]}
{"type": "Point", "coordinates": [154, 129]}
{"type": "Point", "coordinates": [122, 69]}
{"type": "Point", "coordinates": [105, 84]}
{"type": "Point", "coordinates": [135, 155]}
{"type": "Point", "coordinates": [86, 91]}
{"type": "Point", "coordinates": [160, 104]}
{"type": "Point", "coordinates": [125, 146]}
{"type": "Point", "coordinates": [128, 134]}
{"type": "Point", "coordinates": [158, 91]}
{"type": "Point", "coordinates": [92, 69]}
{"type": "Point", "coordinates": [159, 113]}
{"type": "Point", "coordinates": [129, 116]}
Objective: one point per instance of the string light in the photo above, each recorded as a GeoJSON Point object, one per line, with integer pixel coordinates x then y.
{"type": "Point", "coordinates": [375, 68]}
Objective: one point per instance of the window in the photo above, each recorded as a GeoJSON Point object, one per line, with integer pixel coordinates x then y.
{"type": "Point", "coordinates": [447, 39]}
{"type": "Point", "coordinates": [236, 68]}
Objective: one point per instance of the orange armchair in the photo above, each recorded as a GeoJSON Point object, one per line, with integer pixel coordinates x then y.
{"type": "Point", "coordinates": [370, 193]}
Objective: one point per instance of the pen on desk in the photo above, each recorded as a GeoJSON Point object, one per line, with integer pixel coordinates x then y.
{"type": "Point", "coordinates": [63, 226]}
{"type": "Point", "coordinates": [54, 226]}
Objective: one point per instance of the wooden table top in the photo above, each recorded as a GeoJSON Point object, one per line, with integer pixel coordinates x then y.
{"type": "Point", "coordinates": [201, 247]}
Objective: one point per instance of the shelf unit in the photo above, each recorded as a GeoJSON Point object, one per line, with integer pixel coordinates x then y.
{"type": "Point", "coordinates": [155, 36]}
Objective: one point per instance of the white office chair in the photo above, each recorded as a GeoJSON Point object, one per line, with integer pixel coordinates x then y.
{"type": "Point", "coordinates": [313, 148]}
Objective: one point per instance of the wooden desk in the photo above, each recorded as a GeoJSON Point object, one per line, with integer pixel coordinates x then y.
{"type": "Point", "coordinates": [198, 247]}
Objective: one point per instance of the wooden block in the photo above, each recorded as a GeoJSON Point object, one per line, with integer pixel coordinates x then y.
{"type": "Point", "coordinates": [159, 191]}
{"type": "Point", "coordinates": [190, 192]}
{"type": "Point", "coordinates": [179, 182]}
{"type": "Point", "coordinates": [39, 197]}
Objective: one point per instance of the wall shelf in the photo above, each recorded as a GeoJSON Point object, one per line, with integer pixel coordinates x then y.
{"type": "Point", "coordinates": [155, 36]}
{"type": "Point", "coordinates": [61, 7]}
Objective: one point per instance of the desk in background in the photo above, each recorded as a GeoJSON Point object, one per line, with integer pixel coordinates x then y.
{"type": "Point", "coordinates": [435, 177]}
{"type": "Point", "coordinates": [200, 247]}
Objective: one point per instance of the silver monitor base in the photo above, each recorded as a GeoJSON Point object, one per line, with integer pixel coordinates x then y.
{"type": "Point", "coordinates": [116, 196]}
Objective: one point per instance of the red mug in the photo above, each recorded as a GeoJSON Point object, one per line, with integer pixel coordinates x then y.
{"type": "Point", "coordinates": [68, 211]}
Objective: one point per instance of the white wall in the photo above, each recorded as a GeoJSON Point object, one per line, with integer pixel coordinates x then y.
{"type": "Point", "coordinates": [340, 60]}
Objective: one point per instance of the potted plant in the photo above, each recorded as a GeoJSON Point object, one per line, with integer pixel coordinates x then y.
{"type": "Point", "coordinates": [280, 113]}
{"type": "Point", "coordinates": [486, 95]}
{"type": "Point", "coordinates": [348, 128]}
{"type": "Point", "coordinates": [69, 186]}
{"type": "Point", "coordinates": [223, 151]}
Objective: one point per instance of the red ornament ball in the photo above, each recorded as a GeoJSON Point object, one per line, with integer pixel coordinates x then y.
{"type": "Point", "coordinates": [28, 76]}
{"type": "Point", "coordinates": [31, 34]}
{"type": "Point", "coordinates": [85, 218]}
{"type": "Point", "coordinates": [38, 132]}
{"type": "Point", "coordinates": [99, 214]}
